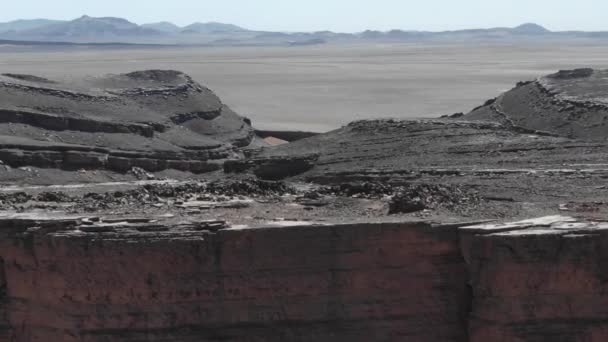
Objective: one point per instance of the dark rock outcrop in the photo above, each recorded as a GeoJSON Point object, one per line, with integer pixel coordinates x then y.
{"type": "Point", "coordinates": [512, 172]}
{"type": "Point", "coordinates": [519, 152]}
{"type": "Point", "coordinates": [274, 168]}
{"type": "Point", "coordinates": [569, 103]}
{"type": "Point", "coordinates": [5, 325]}
{"type": "Point", "coordinates": [155, 120]}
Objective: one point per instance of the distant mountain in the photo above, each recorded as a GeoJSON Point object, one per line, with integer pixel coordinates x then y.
{"type": "Point", "coordinates": [530, 28]}
{"type": "Point", "coordinates": [163, 26]}
{"type": "Point", "coordinates": [89, 27]}
{"type": "Point", "coordinates": [117, 30]}
{"type": "Point", "coordinates": [371, 34]}
{"type": "Point", "coordinates": [522, 32]}
{"type": "Point", "coordinates": [26, 24]}
{"type": "Point", "coordinates": [212, 27]}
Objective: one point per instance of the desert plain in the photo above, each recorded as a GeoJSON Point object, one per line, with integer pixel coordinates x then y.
{"type": "Point", "coordinates": [320, 88]}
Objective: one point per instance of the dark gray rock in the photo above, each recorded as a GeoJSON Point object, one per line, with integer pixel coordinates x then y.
{"type": "Point", "coordinates": [154, 119]}
{"type": "Point", "coordinates": [569, 103]}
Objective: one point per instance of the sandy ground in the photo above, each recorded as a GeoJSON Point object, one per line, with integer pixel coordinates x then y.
{"type": "Point", "coordinates": [323, 87]}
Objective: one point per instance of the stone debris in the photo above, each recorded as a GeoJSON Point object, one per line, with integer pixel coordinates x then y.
{"type": "Point", "coordinates": [141, 174]}
{"type": "Point", "coordinates": [420, 197]}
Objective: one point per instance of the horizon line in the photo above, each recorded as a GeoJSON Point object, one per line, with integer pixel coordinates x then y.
{"type": "Point", "coordinates": [312, 30]}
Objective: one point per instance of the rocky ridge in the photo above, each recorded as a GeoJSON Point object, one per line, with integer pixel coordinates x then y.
{"type": "Point", "coordinates": [154, 120]}
{"type": "Point", "coordinates": [570, 103]}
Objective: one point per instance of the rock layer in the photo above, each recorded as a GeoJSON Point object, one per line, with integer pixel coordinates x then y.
{"type": "Point", "coordinates": [357, 282]}
{"type": "Point", "coordinates": [5, 325]}
{"type": "Point", "coordinates": [571, 103]}
{"type": "Point", "coordinates": [515, 174]}
{"type": "Point", "coordinates": [122, 279]}
{"type": "Point", "coordinates": [539, 280]}
{"type": "Point", "coordinates": [152, 119]}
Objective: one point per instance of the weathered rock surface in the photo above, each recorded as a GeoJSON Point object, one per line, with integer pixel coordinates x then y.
{"type": "Point", "coordinates": [72, 280]}
{"type": "Point", "coordinates": [538, 280]}
{"type": "Point", "coordinates": [571, 103]}
{"type": "Point", "coordinates": [85, 278]}
{"type": "Point", "coordinates": [5, 324]}
{"type": "Point", "coordinates": [515, 174]}
{"type": "Point", "coordinates": [154, 120]}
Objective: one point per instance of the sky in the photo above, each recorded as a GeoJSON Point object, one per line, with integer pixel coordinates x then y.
{"type": "Point", "coordinates": [335, 15]}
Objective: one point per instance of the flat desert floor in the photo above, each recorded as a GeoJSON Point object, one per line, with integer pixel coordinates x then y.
{"type": "Point", "coordinates": [320, 88]}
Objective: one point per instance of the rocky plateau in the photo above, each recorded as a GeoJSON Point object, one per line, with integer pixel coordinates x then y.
{"type": "Point", "coordinates": [139, 207]}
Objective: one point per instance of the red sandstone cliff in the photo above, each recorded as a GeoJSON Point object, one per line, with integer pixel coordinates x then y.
{"type": "Point", "coordinates": [537, 280]}
{"type": "Point", "coordinates": [369, 282]}
{"type": "Point", "coordinates": [5, 328]}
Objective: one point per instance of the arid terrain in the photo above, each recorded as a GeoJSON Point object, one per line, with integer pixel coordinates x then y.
{"type": "Point", "coordinates": [320, 88]}
{"type": "Point", "coordinates": [140, 204]}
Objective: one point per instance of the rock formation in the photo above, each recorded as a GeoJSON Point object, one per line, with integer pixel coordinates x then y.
{"type": "Point", "coordinates": [82, 278]}
{"type": "Point", "coordinates": [569, 103]}
{"type": "Point", "coordinates": [538, 280]}
{"type": "Point", "coordinates": [488, 226]}
{"type": "Point", "coordinates": [154, 120]}
{"type": "Point", "coordinates": [158, 282]}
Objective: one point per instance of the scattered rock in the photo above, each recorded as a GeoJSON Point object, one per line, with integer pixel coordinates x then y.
{"type": "Point", "coordinates": [419, 197]}
{"type": "Point", "coordinates": [141, 174]}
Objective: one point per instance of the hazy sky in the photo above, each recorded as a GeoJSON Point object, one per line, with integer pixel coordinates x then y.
{"type": "Point", "coordinates": [336, 15]}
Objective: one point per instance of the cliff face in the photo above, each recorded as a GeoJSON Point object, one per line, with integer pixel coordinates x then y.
{"type": "Point", "coordinates": [540, 280]}
{"type": "Point", "coordinates": [534, 280]}
{"type": "Point", "coordinates": [364, 282]}
{"type": "Point", "coordinates": [5, 326]}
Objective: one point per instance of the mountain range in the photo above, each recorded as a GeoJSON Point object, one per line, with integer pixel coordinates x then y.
{"type": "Point", "coordinates": [118, 30]}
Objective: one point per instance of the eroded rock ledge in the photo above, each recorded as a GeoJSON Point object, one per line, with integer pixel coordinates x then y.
{"type": "Point", "coordinates": [83, 278]}
{"type": "Point", "coordinates": [569, 103]}
{"type": "Point", "coordinates": [155, 120]}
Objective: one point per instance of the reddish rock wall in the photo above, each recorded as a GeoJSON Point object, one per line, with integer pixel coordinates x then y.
{"type": "Point", "coordinates": [540, 281]}
{"type": "Point", "coordinates": [537, 280]}
{"type": "Point", "coordinates": [5, 329]}
{"type": "Point", "coordinates": [369, 282]}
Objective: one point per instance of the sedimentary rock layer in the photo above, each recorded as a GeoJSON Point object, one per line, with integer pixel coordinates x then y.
{"type": "Point", "coordinates": [360, 282]}
{"type": "Point", "coordinates": [571, 103]}
{"type": "Point", "coordinates": [152, 119]}
{"type": "Point", "coordinates": [88, 279]}
{"type": "Point", "coordinates": [516, 174]}
{"type": "Point", "coordinates": [5, 326]}
{"type": "Point", "coordinates": [538, 280]}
